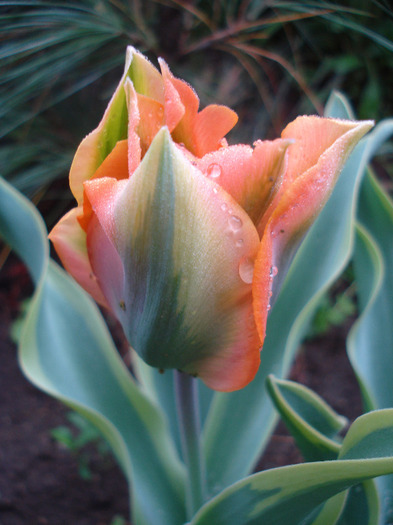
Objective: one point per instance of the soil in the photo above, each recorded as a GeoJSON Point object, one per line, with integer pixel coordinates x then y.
{"type": "Point", "coordinates": [40, 483]}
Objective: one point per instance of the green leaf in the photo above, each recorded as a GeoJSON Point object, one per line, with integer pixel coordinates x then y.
{"type": "Point", "coordinates": [370, 342]}
{"type": "Point", "coordinates": [294, 494]}
{"type": "Point", "coordinates": [312, 423]}
{"type": "Point", "coordinates": [67, 352]}
{"type": "Point", "coordinates": [331, 510]}
{"type": "Point", "coordinates": [361, 505]}
{"type": "Point", "coordinates": [321, 258]}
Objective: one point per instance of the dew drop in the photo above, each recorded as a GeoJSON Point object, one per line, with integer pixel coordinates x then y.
{"type": "Point", "coordinates": [268, 307]}
{"type": "Point", "coordinates": [239, 243]}
{"type": "Point", "coordinates": [246, 270]}
{"type": "Point", "coordinates": [235, 223]}
{"type": "Point", "coordinates": [273, 271]}
{"type": "Point", "coordinates": [224, 206]}
{"type": "Point", "coordinates": [214, 170]}
{"type": "Point", "coordinates": [215, 190]}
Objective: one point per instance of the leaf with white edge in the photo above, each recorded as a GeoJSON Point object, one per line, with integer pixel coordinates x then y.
{"type": "Point", "coordinates": [314, 425]}
{"type": "Point", "coordinates": [321, 258]}
{"type": "Point", "coordinates": [369, 271]}
{"type": "Point", "coordinates": [331, 510]}
{"type": "Point", "coordinates": [361, 505]}
{"type": "Point", "coordinates": [67, 352]}
{"type": "Point", "coordinates": [310, 420]}
{"type": "Point", "coordinates": [370, 342]}
{"type": "Point", "coordinates": [293, 495]}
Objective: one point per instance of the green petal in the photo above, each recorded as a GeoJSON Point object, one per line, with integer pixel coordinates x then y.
{"type": "Point", "coordinates": [187, 249]}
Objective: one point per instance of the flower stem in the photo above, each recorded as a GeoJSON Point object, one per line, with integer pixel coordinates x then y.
{"type": "Point", "coordinates": [187, 403]}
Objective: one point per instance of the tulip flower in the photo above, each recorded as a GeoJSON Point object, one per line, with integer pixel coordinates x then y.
{"type": "Point", "coordinates": [185, 238]}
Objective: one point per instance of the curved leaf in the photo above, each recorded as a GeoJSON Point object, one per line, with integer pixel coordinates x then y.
{"type": "Point", "coordinates": [293, 494]}
{"type": "Point", "coordinates": [312, 423]}
{"type": "Point", "coordinates": [370, 342]}
{"type": "Point", "coordinates": [67, 352]}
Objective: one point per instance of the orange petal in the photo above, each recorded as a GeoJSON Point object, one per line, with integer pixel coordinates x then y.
{"type": "Point", "coordinates": [114, 166]}
{"type": "Point", "coordinates": [183, 132]}
{"type": "Point", "coordinates": [102, 194]}
{"type": "Point", "coordinates": [174, 108]}
{"type": "Point", "coordinates": [210, 126]}
{"type": "Point", "coordinates": [187, 95]}
{"type": "Point", "coordinates": [236, 366]}
{"type": "Point", "coordinates": [321, 148]}
{"type": "Point", "coordinates": [151, 120]}
{"type": "Point", "coordinates": [251, 176]}
{"type": "Point", "coordinates": [69, 241]}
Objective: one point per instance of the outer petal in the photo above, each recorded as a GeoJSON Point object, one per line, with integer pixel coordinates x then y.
{"type": "Point", "coordinates": [187, 249]}
{"type": "Point", "coordinates": [69, 241]}
{"type": "Point", "coordinates": [107, 266]}
{"type": "Point", "coordinates": [315, 160]}
{"type": "Point", "coordinates": [251, 176]}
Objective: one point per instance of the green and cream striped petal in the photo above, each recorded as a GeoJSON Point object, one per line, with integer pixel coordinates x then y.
{"type": "Point", "coordinates": [187, 249]}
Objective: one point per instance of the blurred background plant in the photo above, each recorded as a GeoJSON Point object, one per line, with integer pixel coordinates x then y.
{"type": "Point", "coordinates": [269, 60]}
{"type": "Point", "coordinates": [84, 441]}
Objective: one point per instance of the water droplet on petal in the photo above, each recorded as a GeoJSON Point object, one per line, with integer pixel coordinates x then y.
{"type": "Point", "coordinates": [215, 190]}
{"type": "Point", "coordinates": [235, 223]}
{"type": "Point", "coordinates": [224, 206]}
{"type": "Point", "coordinates": [214, 171]}
{"type": "Point", "coordinates": [268, 307]}
{"type": "Point", "coordinates": [273, 271]}
{"type": "Point", "coordinates": [246, 270]}
{"type": "Point", "coordinates": [239, 243]}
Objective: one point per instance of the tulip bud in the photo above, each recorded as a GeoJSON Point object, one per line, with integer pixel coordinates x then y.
{"type": "Point", "coordinates": [182, 236]}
